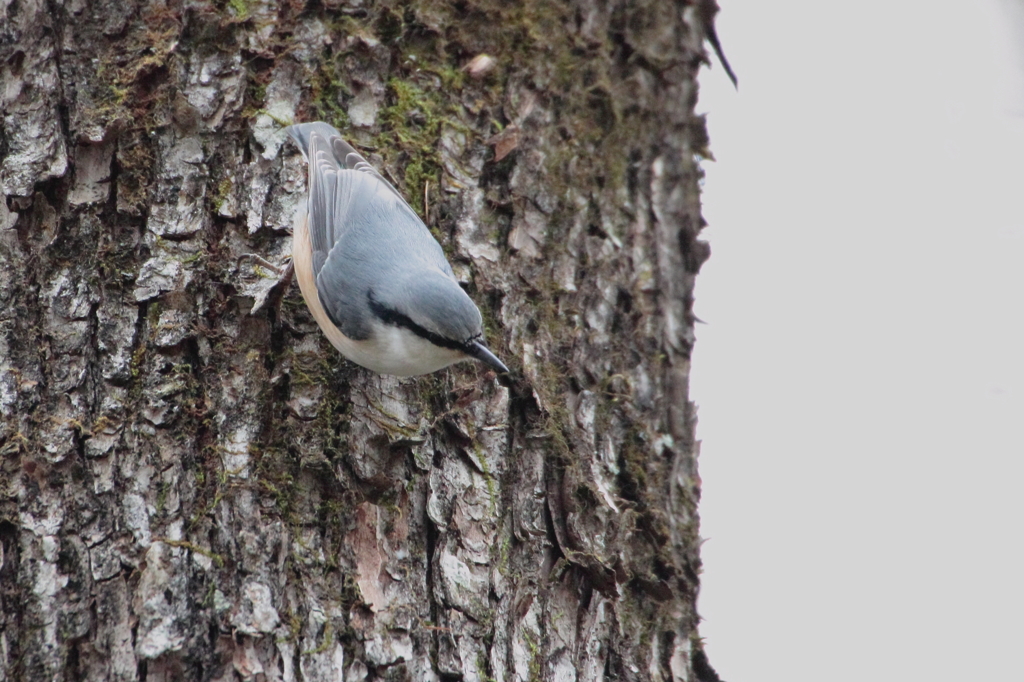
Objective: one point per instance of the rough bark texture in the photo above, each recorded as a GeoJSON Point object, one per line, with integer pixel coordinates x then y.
{"type": "Point", "coordinates": [196, 486]}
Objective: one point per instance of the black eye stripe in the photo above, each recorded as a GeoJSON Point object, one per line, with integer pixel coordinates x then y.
{"type": "Point", "coordinates": [393, 317]}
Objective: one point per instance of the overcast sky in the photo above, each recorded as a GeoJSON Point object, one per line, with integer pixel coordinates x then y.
{"type": "Point", "coordinates": [860, 380]}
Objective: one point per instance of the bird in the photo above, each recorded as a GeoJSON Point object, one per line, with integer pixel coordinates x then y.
{"type": "Point", "coordinates": [373, 277]}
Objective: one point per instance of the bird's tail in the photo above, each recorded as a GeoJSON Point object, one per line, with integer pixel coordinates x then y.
{"type": "Point", "coordinates": [344, 154]}
{"type": "Point", "coordinates": [301, 132]}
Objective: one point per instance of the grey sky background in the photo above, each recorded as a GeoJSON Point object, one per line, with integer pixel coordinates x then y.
{"type": "Point", "coordinates": [860, 380]}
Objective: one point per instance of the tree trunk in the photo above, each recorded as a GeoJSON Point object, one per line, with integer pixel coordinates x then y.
{"type": "Point", "coordinates": [196, 486]}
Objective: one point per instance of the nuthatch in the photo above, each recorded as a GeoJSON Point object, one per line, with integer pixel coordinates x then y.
{"type": "Point", "coordinates": [375, 279]}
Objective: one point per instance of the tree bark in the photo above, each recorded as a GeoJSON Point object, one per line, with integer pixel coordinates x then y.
{"type": "Point", "coordinates": [195, 485]}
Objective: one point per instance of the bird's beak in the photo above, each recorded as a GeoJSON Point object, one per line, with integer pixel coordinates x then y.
{"type": "Point", "coordinates": [477, 350]}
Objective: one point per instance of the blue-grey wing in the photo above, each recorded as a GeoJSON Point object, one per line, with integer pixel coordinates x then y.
{"type": "Point", "coordinates": [363, 234]}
